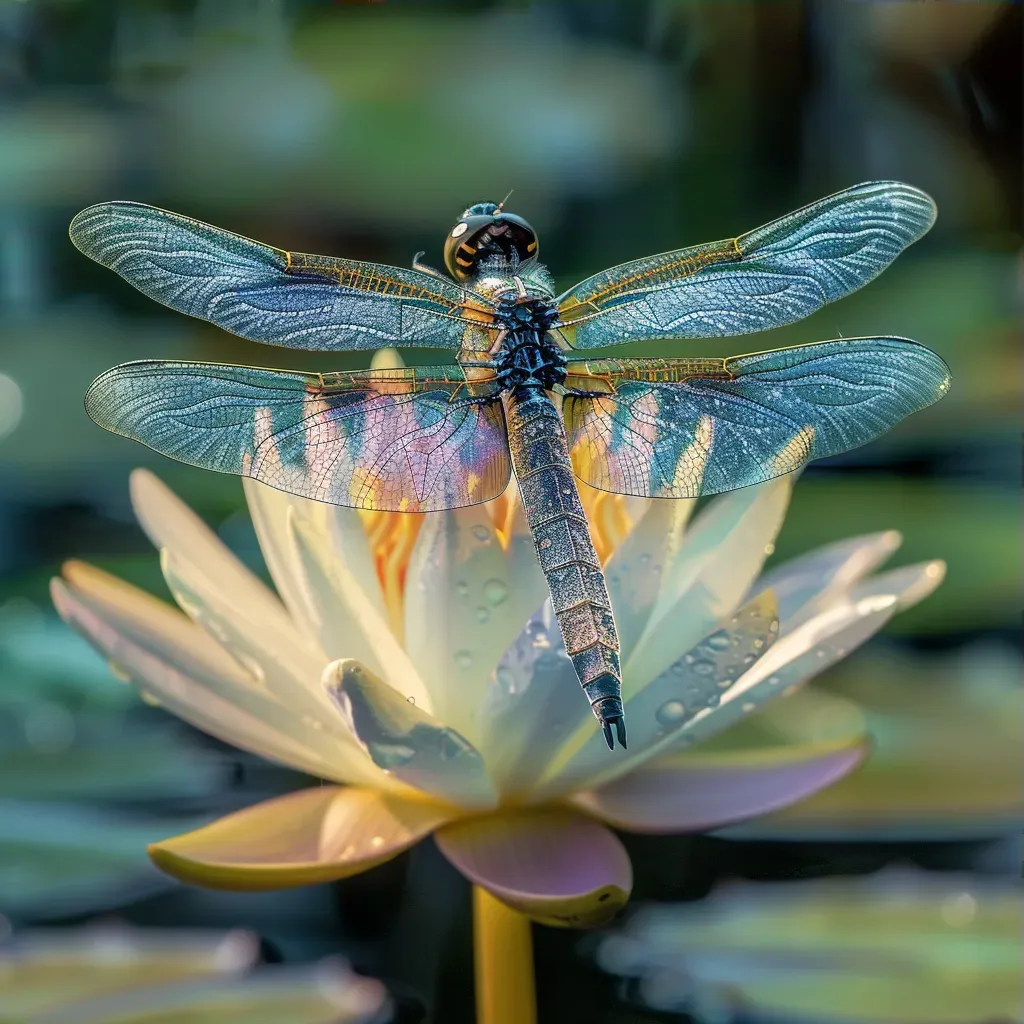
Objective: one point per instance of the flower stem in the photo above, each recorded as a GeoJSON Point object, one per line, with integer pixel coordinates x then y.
{"type": "Point", "coordinates": [503, 959]}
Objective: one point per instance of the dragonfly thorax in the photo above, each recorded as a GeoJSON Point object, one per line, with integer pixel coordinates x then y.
{"type": "Point", "coordinates": [528, 357]}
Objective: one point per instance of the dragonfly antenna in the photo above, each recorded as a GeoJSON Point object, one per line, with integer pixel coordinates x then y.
{"type": "Point", "coordinates": [501, 205]}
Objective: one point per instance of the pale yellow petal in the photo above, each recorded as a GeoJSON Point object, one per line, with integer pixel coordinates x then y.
{"type": "Point", "coordinates": [313, 835]}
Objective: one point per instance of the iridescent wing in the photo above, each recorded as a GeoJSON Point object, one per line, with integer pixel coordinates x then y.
{"type": "Point", "coordinates": [766, 278]}
{"type": "Point", "coordinates": [267, 294]}
{"type": "Point", "coordinates": [679, 428]}
{"type": "Point", "coordinates": [414, 439]}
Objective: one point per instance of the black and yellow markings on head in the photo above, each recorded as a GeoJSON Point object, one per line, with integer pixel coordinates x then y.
{"type": "Point", "coordinates": [686, 264]}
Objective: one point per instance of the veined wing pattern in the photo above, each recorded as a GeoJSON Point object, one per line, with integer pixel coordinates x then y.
{"type": "Point", "coordinates": [266, 294]}
{"type": "Point", "coordinates": [679, 428]}
{"type": "Point", "coordinates": [774, 275]}
{"type": "Point", "coordinates": [404, 440]}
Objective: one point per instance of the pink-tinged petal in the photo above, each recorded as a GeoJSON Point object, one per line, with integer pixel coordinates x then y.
{"type": "Point", "coordinates": [805, 585]}
{"type": "Point", "coordinates": [720, 557]}
{"type": "Point", "coordinates": [688, 691]}
{"type": "Point", "coordinates": [554, 865]}
{"type": "Point", "coordinates": [463, 608]}
{"type": "Point", "coordinates": [314, 835]}
{"type": "Point", "coordinates": [695, 792]}
{"type": "Point", "coordinates": [406, 742]}
{"type": "Point", "coordinates": [176, 664]}
{"type": "Point", "coordinates": [635, 571]}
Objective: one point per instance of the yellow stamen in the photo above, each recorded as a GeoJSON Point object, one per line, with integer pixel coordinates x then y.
{"type": "Point", "coordinates": [392, 536]}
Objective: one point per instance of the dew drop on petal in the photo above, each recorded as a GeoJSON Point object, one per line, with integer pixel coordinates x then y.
{"type": "Point", "coordinates": [689, 659]}
{"type": "Point", "coordinates": [774, 680]}
{"type": "Point", "coordinates": [703, 667]}
{"type": "Point", "coordinates": [718, 641]}
{"type": "Point", "coordinates": [758, 643]}
{"type": "Point", "coordinates": [119, 672]}
{"type": "Point", "coordinates": [725, 682]}
{"type": "Point", "coordinates": [671, 712]}
{"type": "Point", "coordinates": [495, 592]}
{"type": "Point", "coordinates": [749, 659]}
{"type": "Point", "coordinates": [410, 699]}
{"type": "Point", "coordinates": [749, 706]}
{"type": "Point", "coordinates": [482, 614]}
{"type": "Point", "coordinates": [462, 588]}
{"type": "Point", "coordinates": [482, 533]}
{"type": "Point", "coordinates": [774, 626]}
{"type": "Point", "coordinates": [464, 659]}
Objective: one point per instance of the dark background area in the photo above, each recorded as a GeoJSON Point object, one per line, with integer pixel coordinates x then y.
{"type": "Point", "coordinates": [625, 128]}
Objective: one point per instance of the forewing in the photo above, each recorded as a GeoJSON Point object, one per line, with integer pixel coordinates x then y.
{"type": "Point", "coordinates": [267, 294]}
{"type": "Point", "coordinates": [766, 278]}
{"type": "Point", "coordinates": [408, 440]}
{"type": "Point", "coordinates": [679, 428]}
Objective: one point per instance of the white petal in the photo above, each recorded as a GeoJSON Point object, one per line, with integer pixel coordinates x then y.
{"type": "Point", "coordinates": [406, 742]}
{"type": "Point", "coordinates": [170, 523]}
{"type": "Point", "coordinates": [272, 651]}
{"type": "Point", "coordinates": [690, 689]}
{"type": "Point", "coordinates": [636, 570]}
{"type": "Point", "coordinates": [532, 705]}
{"type": "Point", "coordinates": [340, 537]}
{"type": "Point", "coordinates": [463, 608]}
{"type": "Point", "coordinates": [721, 555]}
{"type": "Point", "coordinates": [177, 665]}
{"type": "Point", "coordinates": [804, 585]}
{"type": "Point", "coordinates": [357, 627]}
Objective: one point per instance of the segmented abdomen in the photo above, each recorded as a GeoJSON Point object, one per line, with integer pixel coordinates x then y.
{"type": "Point", "coordinates": [566, 553]}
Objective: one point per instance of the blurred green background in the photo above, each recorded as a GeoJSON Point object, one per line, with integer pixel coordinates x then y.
{"type": "Point", "coordinates": [625, 128]}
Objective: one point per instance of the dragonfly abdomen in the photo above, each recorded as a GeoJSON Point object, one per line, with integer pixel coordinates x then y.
{"type": "Point", "coordinates": [566, 552]}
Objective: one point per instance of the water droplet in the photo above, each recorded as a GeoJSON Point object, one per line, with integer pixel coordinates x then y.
{"type": "Point", "coordinates": [749, 659]}
{"type": "Point", "coordinates": [774, 627]}
{"type": "Point", "coordinates": [483, 614]}
{"type": "Point", "coordinates": [495, 592]}
{"type": "Point", "coordinates": [718, 641]}
{"type": "Point", "coordinates": [725, 682]}
{"type": "Point", "coordinates": [119, 672]}
{"type": "Point", "coordinates": [774, 680]}
{"type": "Point", "coordinates": [671, 712]}
{"type": "Point", "coordinates": [769, 549]}
{"type": "Point", "coordinates": [713, 700]}
{"type": "Point", "coordinates": [410, 699]}
{"type": "Point", "coordinates": [703, 667]}
{"type": "Point", "coordinates": [481, 532]}
{"type": "Point", "coordinates": [749, 706]}
{"type": "Point", "coordinates": [678, 669]}
{"type": "Point", "coordinates": [689, 659]}
{"type": "Point", "coordinates": [758, 643]}
{"type": "Point", "coordinates": [820, 652]}
{"type": "Point", "coordinates": [538, 634]}
{"type": "Point", "coordinates": [462, 588]}
{"type": "Point", "coordinates": [464, 659]}
{"type": "Point", "coordinates": [150, 698]}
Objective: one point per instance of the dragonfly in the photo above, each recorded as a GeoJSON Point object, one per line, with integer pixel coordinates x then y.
{"type": "Point", "coordinates": [525, 390]}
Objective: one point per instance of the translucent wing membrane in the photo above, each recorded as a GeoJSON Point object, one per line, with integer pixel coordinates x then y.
{"type": "Point", "coordinates": [410, 439]}
{"type": "Point", "coordinates": [267, 294]}
{"type": "Point", "coordinates": [679, 428]}
{"type": "Point", "coordinates": [768, 277]}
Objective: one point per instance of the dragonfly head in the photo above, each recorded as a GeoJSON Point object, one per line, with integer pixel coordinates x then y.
{"type": "Point", "coordinates": [484, 230]}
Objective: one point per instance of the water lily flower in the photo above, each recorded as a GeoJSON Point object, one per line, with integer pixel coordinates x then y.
{"type": "Point", "coordinates": [899, 946]}
{"type": "Point", "coordinates": [115, 974]}
{"type": "Point", "coordinates": [414, 664]}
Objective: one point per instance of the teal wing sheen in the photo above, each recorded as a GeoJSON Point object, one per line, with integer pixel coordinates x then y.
{"type": "Point", "coordinates": [771, 276]}
{"type": "Point", "coordinates": [410, 439]}
{"type": "Point", "coordinates": [265, 294]}
{"type": "Point", "coordinates": [679, 428]}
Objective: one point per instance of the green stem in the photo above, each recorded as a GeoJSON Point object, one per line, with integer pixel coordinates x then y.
{"type": "Point", "coordinates": [503, 957]}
